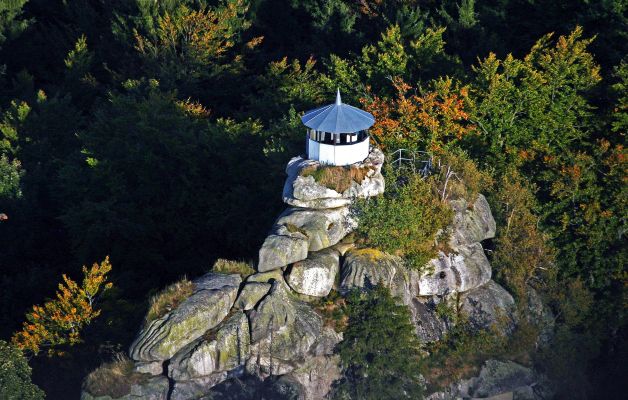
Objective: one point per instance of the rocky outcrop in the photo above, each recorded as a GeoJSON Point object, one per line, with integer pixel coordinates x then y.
{"type": "Point", "coordinates": [211, 301]}
{"type": "Point", "coordinates": [251, 294]}
{"type": "Point", "coordinates": [365, 268]}
{"type": "Point", "coordinates": [265, 334]}
{"type": "Point", "coordinates": [153, 388]}
{"type": "Point", "coordinates": [316, 376]}
{"type": "Point", "coordinates": [489, 305]}
{"type": "Point", "coordinates": [299, 230]}
{"type": "Point", "coordinates": [456, 272]}
{"type": "Point", "coordinates": [316, 275]}
{"type": "Point", "coordinates": [471, 224]}
{"type": "Point", "coordinates": [219, 350]}
{"type": "Point", "coordinates": [283, 330]}
{"type": "Point", "coordinates": [304, 191]}
{"type": "Point", "coordinates": [429, 326]}
{"type": "Point", "coordinates": [282, 247]}
{"type": "Point", "coordinates": [540, 315]}
{"type": "Point", "coordinates": [498, 380]}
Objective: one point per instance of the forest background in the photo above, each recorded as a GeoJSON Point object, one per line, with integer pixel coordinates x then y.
{"type": "Point", "coordinates": [155, 131]}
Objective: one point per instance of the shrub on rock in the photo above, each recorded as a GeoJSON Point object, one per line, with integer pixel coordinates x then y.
{"type": "Point", "coordinates": [406, 220]}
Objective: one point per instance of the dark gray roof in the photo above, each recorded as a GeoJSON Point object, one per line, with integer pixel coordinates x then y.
{"type": "Point", "coordinates": [338, 118]}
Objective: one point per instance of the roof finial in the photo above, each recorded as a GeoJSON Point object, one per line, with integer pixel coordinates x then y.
{"type": "Point", "coordinates": [338, 97]}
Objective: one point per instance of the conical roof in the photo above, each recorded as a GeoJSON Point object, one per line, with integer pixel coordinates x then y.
{"type": "Point", "coordinates": [338, 118]}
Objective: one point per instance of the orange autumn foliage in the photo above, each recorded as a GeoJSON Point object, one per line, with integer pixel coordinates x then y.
{"type": "Point", "coordinates": [425, 120]}
{"type": "Point", "coordinates": [59, 321]}
{"type": "Point", "coordinates": [198, 42]}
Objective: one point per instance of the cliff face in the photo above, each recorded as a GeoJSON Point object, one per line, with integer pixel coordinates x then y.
{"type": "Point", "coordinates": [265, 326]}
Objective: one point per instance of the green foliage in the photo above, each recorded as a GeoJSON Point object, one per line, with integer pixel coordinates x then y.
{"type": "Point", "coordinates": [458, 177]}
{"type": "Point", "coordinates": [286, 85]}
{"type": "Point", "coordinates": [12, 22]}
{"type": "Point", "coordinates": [523, 255]}
{"type": "Point", "coordinates": [15, 375]}
{"type": "Point", "coordinates": [576, 341]}
{"type": "Point", "coordinates": [333, 308]}
{"type": "Point", "coordinates": [10, 173]}
{"type": "Point", "coordinates": [464, 349]}
{"type": "Point", "coordinates": [380, 351]}
{"type": "Point", "coordinates": [533, 108]}
{"type": "Point", "coordinates": [406, 219]}
{"type": "Point", "coordinates": [395, 56]}
{"type": "Point", "coordinates": [620, 88]}
{"type": "Point", "coordinates": [133, 129]}
{"type": "Point", "coordinates": [185, 44]}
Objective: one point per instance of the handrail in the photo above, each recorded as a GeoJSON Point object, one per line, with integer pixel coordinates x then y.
{"type": "Point", "coordinates": [419, 161]}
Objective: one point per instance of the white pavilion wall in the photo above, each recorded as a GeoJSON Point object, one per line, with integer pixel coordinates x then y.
{"type": "Point", "coordinates": [338, 155]}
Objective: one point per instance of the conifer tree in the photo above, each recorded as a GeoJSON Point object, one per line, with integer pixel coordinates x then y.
{"type": "Point", "coordinates": [380, 351]}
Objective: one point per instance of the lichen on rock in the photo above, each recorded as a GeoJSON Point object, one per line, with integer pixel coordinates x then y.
{"type": "Point", "coordinates": [364, 268]}
{"type": "Point", "coordinates": [315, 276]}
{"type": "Point", "coordinates": [211, 301]}
{"type": "Point", "coordinates": [222, 349]}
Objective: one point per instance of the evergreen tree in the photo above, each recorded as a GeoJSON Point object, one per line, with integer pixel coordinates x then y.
{"type": "Point", "coordinates": [380, 351]}
{"type": "Point", "coordinates": [15, 375]}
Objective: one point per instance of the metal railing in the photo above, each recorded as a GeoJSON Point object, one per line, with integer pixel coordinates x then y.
{"type": "Point", "coordinates": [420, 162]}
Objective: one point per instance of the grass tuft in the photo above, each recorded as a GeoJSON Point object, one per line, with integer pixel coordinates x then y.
{"type": "Point", "coordinates": [337, 178]}
{"type": "Point", "coordinates": [169, 298]}
{"type": "Point", "coordinates": [242, 268]}
{"type": "Point", "coordinates": [114, 378]}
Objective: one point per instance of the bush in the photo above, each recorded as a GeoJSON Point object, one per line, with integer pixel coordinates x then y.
{"type": "Point", "coordinates": [406, 220]}
{"type": "Point", "coordinates": [233, 267]}
{"type": "Point", "coordinates": [522, 253]}
{"type": "Point", "coordinates": [461, 353]}
{"type": "Point", "coordinates": [169, 298]}
{"type": "Point", "coordinates": [337, 178]}
{"type": "Point", "coordinates": [15, 375]}
{"type": "Point", "coordinates": [114, 379]}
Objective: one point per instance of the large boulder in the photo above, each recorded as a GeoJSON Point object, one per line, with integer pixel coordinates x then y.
{"type": "Point", "coordinates": [299, 230]}
{"type": "Point", "coordinates": [364, 268]}
{"type": "Point", "coordinates": [304, 191]}
{"type": "Point", "coordinates": [223, 349]}
{"type": "Point", "coordinates": [489, 305]}
{"type": "Point", "coordinates": [283, 329]}
{"type": "Point", "coordinates": [160, 339]}
{"type": "Point", "coordinates": [458, 272]}
{"type": "Point", "coordinates": [323, 228]}
{"type": "Point", "coordinates": [315, 276]}
{"type": "Point", "coordinates": [471, 224]}
{"type": "Point", "coordinates": [282, 247]}
{"type": "Point", "coordinates": [150, 388]}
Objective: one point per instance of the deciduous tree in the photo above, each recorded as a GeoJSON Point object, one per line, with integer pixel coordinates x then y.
{"type": "Point", "coordinates": [58, 322]}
